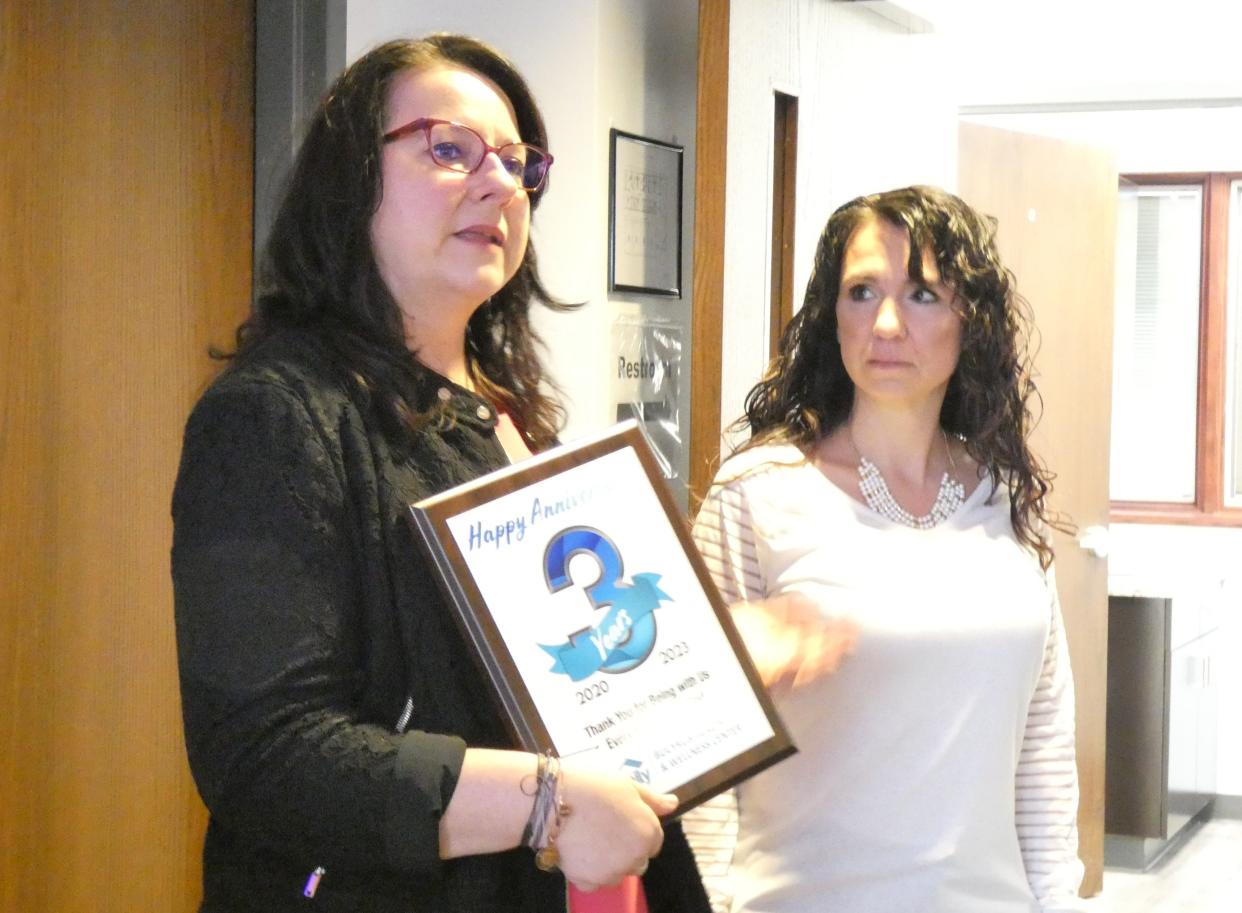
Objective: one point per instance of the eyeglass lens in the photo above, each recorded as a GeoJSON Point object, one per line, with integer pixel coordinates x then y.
{"type": "Point", "coordinates": [461, 149]}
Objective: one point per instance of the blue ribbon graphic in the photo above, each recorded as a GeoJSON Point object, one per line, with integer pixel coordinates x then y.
{"type": "Point", "coordinates": [622, 640]}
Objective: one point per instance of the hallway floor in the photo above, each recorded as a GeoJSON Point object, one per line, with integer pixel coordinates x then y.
{"type": "Point", "coordinates": [1200, 877]}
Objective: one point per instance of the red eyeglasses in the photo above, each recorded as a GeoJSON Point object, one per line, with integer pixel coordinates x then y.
{"type": "Point", "coordinates": [459, 148]}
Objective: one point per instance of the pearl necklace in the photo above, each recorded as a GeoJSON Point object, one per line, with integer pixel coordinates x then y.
{"type": "Point", "coordinates": [876, 493]}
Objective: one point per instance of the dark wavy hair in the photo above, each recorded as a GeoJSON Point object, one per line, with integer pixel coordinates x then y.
{"type": "Point", "coordinates": [318, 270]}
{"type": "Point", "coordinates": [806, 393]}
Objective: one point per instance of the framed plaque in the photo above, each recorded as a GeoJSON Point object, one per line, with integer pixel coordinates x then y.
{"type": "Point", "coordinates": [644, 215]}
{"type": "Point", "coordinates": [592, 614]}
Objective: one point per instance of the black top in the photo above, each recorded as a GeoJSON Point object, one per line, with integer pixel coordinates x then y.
{"type": "Point", "coordinates": [309, 628]}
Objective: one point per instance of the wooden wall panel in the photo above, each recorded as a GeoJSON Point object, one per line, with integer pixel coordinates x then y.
{"type": "Point", "coordinates": [125, 240]}
{"type": "Point", "coordinates": [707, 317]}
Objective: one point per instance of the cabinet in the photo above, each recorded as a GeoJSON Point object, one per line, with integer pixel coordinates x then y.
{"type": "Point", "coordinates": [1160, 742]}
{"type": "Point", "coordinates": [1192, 727]}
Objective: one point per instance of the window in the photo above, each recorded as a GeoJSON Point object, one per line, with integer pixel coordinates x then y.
{"type": "Point", "coordinates": [1177, 353]}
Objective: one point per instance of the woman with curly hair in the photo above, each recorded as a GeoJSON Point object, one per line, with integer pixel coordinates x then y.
{"type": "Point", "coordinates": [338, 729]}
{"type": "Point", "coordinates": [888, 485]}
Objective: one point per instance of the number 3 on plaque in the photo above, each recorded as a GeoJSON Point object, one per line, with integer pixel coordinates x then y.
{"type": "Point", "coordinates": [623, 640]}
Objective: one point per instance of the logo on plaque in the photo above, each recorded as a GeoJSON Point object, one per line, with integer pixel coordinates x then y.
{"type": "Point", "coordinates": [625, 636]}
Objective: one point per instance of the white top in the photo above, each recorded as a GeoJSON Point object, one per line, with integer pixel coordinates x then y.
{"type": "Point", "coordinates": [935, 769]}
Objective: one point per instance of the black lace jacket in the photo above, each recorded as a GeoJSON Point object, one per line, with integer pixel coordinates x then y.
{"type": "Point", "coordinates": [308, 627]}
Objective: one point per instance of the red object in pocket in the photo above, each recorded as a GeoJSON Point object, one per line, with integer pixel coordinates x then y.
{"type": "Point", "coordinates": [626, 897]}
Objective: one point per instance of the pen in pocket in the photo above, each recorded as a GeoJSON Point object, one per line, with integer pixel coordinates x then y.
{"type": "Point", "coordinates": [312, 883]}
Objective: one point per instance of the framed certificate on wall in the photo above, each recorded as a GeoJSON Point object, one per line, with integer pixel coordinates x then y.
{"type": "Point", "coordinates": [644, 215]}
{"type": "Point", "coordinates": [576, 582]}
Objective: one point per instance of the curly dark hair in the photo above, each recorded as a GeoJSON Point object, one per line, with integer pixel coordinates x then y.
{"type": "Point", "coordinates": [806, 393]}
{"type": "Point", "coordinates": [319, 272]}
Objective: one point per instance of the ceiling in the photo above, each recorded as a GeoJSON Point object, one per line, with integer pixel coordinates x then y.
{"type": "Point", "coordinates": [1072, 52]}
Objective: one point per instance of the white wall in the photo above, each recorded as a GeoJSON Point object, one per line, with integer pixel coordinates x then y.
{"type": "Point", "coordinates": [648, 55]}
{"type": "Point", "coordinates": [592, 65]}
{"type": "Point", "coordinates": [864, 125]}
{"type": "Point", "coordinates": [1067, 51]}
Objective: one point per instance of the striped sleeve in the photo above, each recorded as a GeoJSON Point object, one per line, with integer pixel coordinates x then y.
{"type": "Point", "coordinates": [1046, 792]}
{"type": "Point", "coordinates": [711, 830]}
{"type": "Point", "coordinates": [725, 536]}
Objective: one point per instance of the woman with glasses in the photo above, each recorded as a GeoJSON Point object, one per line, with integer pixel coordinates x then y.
{"type": "Point", "coordinates": [888, 481]}
{"type": "Point", "coordinates": [337, 726]}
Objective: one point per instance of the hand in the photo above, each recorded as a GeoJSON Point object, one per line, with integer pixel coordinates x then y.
{"type": "Point", "coordinates": [790, 641]}
{"type": "Point", "coordinates": [612, 829]}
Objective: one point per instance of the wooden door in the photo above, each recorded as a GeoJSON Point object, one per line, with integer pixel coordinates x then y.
{"type": "Point", "coordinates": [1056, 204]}
{"type": "Point", "coordinates": [125, 224]}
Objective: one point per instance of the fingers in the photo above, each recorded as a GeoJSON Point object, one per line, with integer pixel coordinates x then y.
{"type": "Point", "coordinates": [770, 650]}
{"type": "Point", "coordinates": [790, 640]}
{"type": "Point", "coordinates": [822, 652]}
{"type": "Point", "coordinates": [792, 607]}
{"type": "Point", "coordinates": [660, 803]}
{"type": "Point", "coordinates": [613, 830]}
